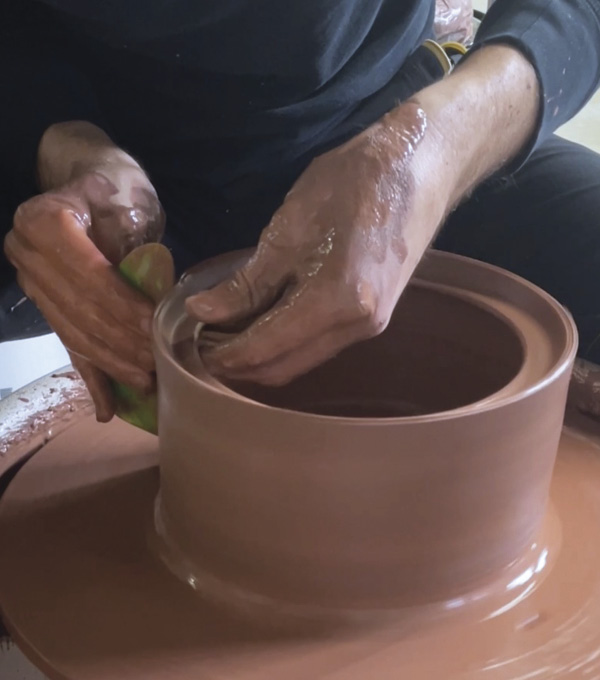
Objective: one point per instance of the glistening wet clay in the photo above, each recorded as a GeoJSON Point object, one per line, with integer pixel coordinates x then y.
{"type": "Point", "coordinates": [86, 600]}
{"type": "Point", "coordinates": [438, 525]}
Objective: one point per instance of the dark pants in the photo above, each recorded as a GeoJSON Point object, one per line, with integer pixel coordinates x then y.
{"type": "Point", "coordinates": [543, 224]}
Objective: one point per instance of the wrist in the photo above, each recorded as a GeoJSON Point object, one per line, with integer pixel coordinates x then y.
{"type": "Point", "coordinates": [480, 117]}
{"type": "Point", "coordinates": [426, 174]}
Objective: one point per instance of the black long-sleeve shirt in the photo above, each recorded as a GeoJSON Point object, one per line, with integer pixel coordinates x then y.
{"type": "Point", "coordinates": [222, 100]}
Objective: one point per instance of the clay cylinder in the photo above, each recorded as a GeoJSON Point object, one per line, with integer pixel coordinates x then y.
{"type": "Point", "coordinates": [411, 468]}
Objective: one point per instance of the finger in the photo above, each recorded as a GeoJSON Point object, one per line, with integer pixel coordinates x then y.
{"type": "Point", "coordinates": [98, 386]}
{"type": "Point", "coordinates": [317, 351]}
{"type": "Point", "coordinates": [299, 318]}
{"type": "Point", "coordinates": [89, 317]}
{"type": "Point", "coordinates": [87, 346]}
{"type": "Point", "coordinates": [250, 291]}
{"type": "Point", "coordinates": [58, 236]}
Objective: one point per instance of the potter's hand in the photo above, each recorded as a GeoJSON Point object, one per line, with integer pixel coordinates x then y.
{"type": "Point", "coordinates": [97, 206]}
{"type": "Point", "coordinates": [337, 255]}
{"type": "Point", "coordinates": [331, 264]}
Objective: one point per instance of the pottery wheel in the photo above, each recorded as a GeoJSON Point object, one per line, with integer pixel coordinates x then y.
{"type": "Point", "coordinates": [86, 599]}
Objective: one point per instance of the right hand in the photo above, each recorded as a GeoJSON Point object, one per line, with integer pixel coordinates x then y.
{"type": "Point", "coordinates": [96, 207]}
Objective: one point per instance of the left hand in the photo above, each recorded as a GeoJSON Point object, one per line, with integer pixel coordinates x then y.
{"type": "Point", "coordinates": [96, 205]}
{"type": "Point", "coordinates": [335, 258]}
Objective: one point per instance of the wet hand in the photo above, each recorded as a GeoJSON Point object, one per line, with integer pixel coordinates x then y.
{"type": "Point", "coordinates": [65, 242]}
{"type": "Point", "coordinates": [332, 263]}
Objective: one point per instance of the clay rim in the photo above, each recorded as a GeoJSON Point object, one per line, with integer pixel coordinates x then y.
{"type": "Point", "coordinates": [564, 362]}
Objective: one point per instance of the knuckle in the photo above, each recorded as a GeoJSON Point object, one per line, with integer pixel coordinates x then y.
{"type": "Point", "coordinates": [52, 209]}
{"type": "Point", "coordinates": [368, 310]}
{"type": "Point", "coordinates": [27, 208]}
{"type": "Point", "coordinates": [241, 287]}
{"type": "Point", "coordinates": [360, 304]}
{"type": "Point", "coordinates": [23, 217]}
{"type": "Point", "coordinates": [10, 247]}
{"type": "Point", "coordinates": [374, 325]}
{"type": "Point", "coordinates": [31, 208]}
{"type": "Point", "coordinates": [254, 359]}
{"type": "Point", "coordinates": [218, 363]}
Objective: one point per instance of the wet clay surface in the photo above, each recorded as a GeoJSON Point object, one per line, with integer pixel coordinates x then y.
{"type": "Point", "coordinates": [439, 353]}
{"type": "Point", "coordinates": [84, 595]}
{"type": "Point", "coordinates": [264, 499]}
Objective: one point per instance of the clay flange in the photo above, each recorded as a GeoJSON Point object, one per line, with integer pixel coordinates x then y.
{"type": "Point", "coordinates": [86, 599]}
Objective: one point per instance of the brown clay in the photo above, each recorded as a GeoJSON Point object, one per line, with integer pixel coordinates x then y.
{"type": "Point", "coordinates": [32, 416]}
{"type": "Point", "coordinates": [264, 499]}
{"type": "Point", "coordinates": [87, 600]}
{"type": "Point", "coordinates": [429, 532]}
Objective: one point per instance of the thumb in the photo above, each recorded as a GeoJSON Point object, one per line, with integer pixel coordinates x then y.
{"type": "Point", "coordinates": [249, 292]}
{"type": "Point", "coordinates": [98, 386]}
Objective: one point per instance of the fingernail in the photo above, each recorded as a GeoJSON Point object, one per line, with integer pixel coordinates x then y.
{"type": "Point", "coordinates": [202, 307]}
{"type": "Point", "coordinates": [103, 416]}
{"type": "Point", "coordinates": [195, 306]}
{"type": "Point", "coordinates": [216, 363]}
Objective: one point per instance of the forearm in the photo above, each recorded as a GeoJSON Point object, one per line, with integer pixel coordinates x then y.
{"type": "Point", "coordinates": [561, 39]}
{"type": "Point", "coordinates": [460, 130]}
{"type": "Point", "coordinates": [480, 118]}
{"type": "Point", "coordinates": [533, 66]}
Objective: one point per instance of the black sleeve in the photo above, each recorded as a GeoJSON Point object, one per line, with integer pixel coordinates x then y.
{"type": "Point", "coordinates": [40, 84]}
{"type": "Point", "coordinates": [561, 38]}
